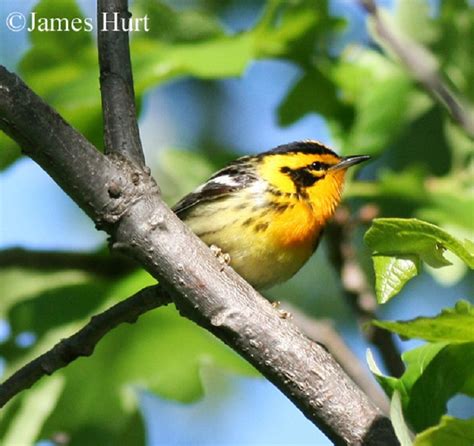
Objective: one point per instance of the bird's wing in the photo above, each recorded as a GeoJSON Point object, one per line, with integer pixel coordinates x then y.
{"type": "Point", "coordinates": [232, 178]}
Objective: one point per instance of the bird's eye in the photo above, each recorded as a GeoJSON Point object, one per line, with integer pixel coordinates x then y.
{"type": "Point", "coordinates": [317, 165]}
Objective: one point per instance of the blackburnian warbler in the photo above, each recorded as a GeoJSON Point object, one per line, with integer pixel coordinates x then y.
{"type": "Point", "coordinates": [267, 211]}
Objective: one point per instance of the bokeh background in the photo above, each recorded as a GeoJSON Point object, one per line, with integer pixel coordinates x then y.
{"type": "Point", "coordinates": [185, 385]}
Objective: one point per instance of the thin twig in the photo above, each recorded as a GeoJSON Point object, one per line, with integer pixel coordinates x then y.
{"type": "Point", "coordinates": [121, 134]}
{"type": "Point", "coordinates": [112, 266]}
{"type": "Point", "coordinates": [83, 342]}
{"type": "Point", "coordinates": [357, 291]}
{"type": "Point", "coordinates": [420, 64]}
{"type": "Point", "coordinates": [125, 201]}
{"type": "Point", "coordinates": [323, 332]}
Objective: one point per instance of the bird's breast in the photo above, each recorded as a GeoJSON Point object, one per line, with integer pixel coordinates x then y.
{"type": "Point", "coordinates": [294, 225]}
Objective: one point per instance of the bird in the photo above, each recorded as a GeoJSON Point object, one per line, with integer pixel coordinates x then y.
{"type": "Point", "coordinates": [265, 213]}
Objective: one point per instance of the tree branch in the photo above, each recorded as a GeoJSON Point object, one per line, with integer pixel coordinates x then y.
{"type": "Point", "coordinates": [323, 332]}
{"type": "Point", "coordinates": [420, 64]}
{"type": "Point", "coordinates": [357, 291]}
{"type": "Point", "coordinates": [125, 201]}
{"type": "Point", "coordinates": [121, 134]}
{"type": "Point", "coordinates": [84, 341]}
{"type": "Point", "coordinates": [113, 266]}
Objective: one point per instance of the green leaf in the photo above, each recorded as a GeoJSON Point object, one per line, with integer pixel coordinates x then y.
{"type": "Point", "coordinates": [449, 203]}
{"type": "Point", "coordinates": [414, 20]}
{"type": "Point", "coordinates": [22, 284]}
{"type": "Point", "coordinates": [399, 245]}
{"type": "Point", "coordinates": [426, 129]}
{"type": "Point", "coordinates": [382, 96]}
{"type": "Point", "coordinates": [450, 431]}
{"type": "Point", "coordinates": [36, 406]}
{"type": "Point", "coordinates": [181, 171]}
{"type": "Point", "coordinates": [451, 325]}
{"type": "Point", "coordinates": [391, 274]}
{"type": "Point", "coordinates": [376, 125]}
{"type": "Point", "coordinates": [282, 28]}
{"type": "Point", "coordinates": [398, 236]}
{"type": "Point", "coordinates": [37, 302]}
{"type": "Point", "coordinates": [434, 373]}
{"type": "Point", "coordinates": [162, 353]}
{"type": "Point", "coordinates": [455, 44]}
{"type": "Point", "coordinates": [398, 421]}
{"type": "Point", "coordinates": [299, 31]}
{"type": "Point", "coordinates": [405, 184]}
{"type": "Point", "coordinates": [9, 151]}
{"type": "Point", "coordinates": [70, 40]}
{"type": "Point", "coordinates": [388, 383]}
{"type": "Point", "coordinates": [169, 25]}
{"type": "Point", "coordinates": [57, 306]}
{"type": "Point", "coordinates": [65, 72]}
{"type": "Point", "coordinates": [155, 62]}
{"type": "Point", "coordinates": [314, 92]}
{"type": "Point", "coordinates": [461, 146]}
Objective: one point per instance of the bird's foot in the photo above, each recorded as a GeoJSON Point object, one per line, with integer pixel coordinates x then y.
{"type": "Point", "coordinates": [222, 257]}
{"type": "Point", "coordinates": [283, 314]}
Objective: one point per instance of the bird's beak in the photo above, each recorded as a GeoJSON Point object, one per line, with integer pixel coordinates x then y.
{"type": "Point", "coordinates": [349, 161]}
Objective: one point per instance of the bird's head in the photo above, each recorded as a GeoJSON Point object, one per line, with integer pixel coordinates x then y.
{"type": "Point", "coordinates": [309, 170]}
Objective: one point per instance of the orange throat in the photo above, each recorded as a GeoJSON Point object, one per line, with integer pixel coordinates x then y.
{"type": "Point", "coordinates": [301, 225]}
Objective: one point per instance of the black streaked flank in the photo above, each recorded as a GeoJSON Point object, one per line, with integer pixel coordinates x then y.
{"type": "Point", "coordinates": [261, 227]}
{"type": "Point", "coordinates": [206, 233]}
{"type": "Point", "coordinates": [274, 191]}
{"type": "Point", "coordinates": [279, 208]}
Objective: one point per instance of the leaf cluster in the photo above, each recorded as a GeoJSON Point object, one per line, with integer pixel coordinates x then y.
{"type": "Point", "coordinates": [443, 368]}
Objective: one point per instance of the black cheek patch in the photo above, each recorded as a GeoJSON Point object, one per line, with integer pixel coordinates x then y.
{"type": "Point", "coordinates": [303, 178]}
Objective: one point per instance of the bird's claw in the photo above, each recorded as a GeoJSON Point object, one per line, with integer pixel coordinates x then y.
{"type": "Point", "coordinates": [222, 257]}
{"type": "Point", "coordinates": [283, 314]}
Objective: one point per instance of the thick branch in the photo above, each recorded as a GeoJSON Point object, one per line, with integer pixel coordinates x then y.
{"type": "Point", "coordinates": [84, 341]}
{"type": "Point", "coordinates": [103, 265]}
{"type": "Point", "coordinates": [422, 67]}
{"type": "Point", "coordinates": [357, 291]}
{"type": "Point", "coordinates": [121, 133]}
{"type": "Point", "coordinates": [323, 332]}
{"type": "Point", "coordinates": [125, 201]}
